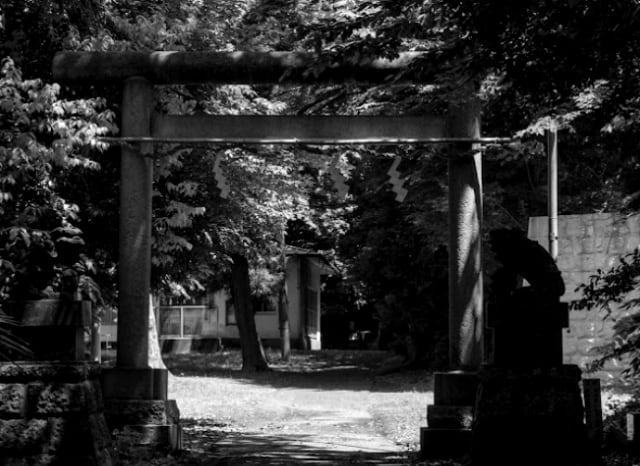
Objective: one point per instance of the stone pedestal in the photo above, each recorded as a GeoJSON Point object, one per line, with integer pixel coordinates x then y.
{"type": "Point", "coordinates": [137, 408]}
{"type": "Point", "coordinates": [54, 329]}
{"type": "Point", "coordinates": [527, 333]}
{"type": "Point", "coordinates": [449, 419]}
{"type": "Point", "coordinates": [529, 417]}
{"type": "Point", "coordinates": [52, 413]}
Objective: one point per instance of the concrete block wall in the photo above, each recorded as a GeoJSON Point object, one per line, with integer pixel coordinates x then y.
{"type": "Point", "coordinates": [587, 243]}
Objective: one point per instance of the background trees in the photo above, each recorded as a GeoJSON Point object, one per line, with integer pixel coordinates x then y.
{"type": "Point", "coordinates": [534, 63]}
{"type": "Point", "coordinates": [41, 139]}
{"type": "Point", "coordinates": [44, 141]}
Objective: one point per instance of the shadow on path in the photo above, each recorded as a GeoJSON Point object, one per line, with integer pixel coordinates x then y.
{"type": "Point", "coordinates": [221, 445]}
{"type": "Point", "coordinates": [329, 370]}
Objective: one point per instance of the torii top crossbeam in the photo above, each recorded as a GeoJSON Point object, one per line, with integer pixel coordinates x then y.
{"type": "Point", "coordinates": [262, 68]}
{"type": "Point", "coordinates": [232, 68]}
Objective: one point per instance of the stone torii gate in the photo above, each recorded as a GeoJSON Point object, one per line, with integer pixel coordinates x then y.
{"type": "Point", "coordinates": [132, 384]}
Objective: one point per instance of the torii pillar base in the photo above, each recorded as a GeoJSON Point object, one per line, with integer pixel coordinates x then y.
{"type": "Point", "coordinates": [137, 408]}
{"type": "Point", "coordinates": [136, 404]}
{"type": "Point", "coordinates": [450, 417]}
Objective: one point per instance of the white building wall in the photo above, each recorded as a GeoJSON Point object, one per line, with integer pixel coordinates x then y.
{"type": "Point", "coordinates": [313, 324]}
{"type": "Point", "coordinates": [213, 321]}
{"type": "Point", "coordinates": [216, 324]}
{"type": "Point", "coordinates": [267, 323]}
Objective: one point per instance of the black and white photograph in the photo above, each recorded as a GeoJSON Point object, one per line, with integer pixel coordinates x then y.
{"type": "Point", "coordinates": [319, 232]}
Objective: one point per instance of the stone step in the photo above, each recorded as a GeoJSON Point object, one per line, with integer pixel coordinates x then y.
{"type": "Point", "coordinates": [51, 413]}
{"type": "Point", "coordinates": [449, 417]}
{"type": "Point", "coordinates": [444, 443]}
{"type": "Point", "coordinates": [167, 436]}
{"type": "Point", "coordinates": [131, 412]}
{"type": "Point", "coordinates": [455, 388]}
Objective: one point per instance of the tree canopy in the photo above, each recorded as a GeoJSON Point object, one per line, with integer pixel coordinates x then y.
{"type": "Point", "coordinates": [532, 64]}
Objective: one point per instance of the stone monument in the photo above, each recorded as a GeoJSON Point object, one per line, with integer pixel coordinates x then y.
{"type": "Point", "coordinates": [51, 405]}
{"type": "Point", "coordinates": [528, 405]}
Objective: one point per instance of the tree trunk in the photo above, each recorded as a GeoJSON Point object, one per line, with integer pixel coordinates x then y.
{"type": "Point", "coordinates": [283, 301]}
{"type": "Point", "coordinates": [283, 320]}
{"type": "Point", "coordinates": [253, 358]}
{"type": "Point", "coordinates": [302, 284]}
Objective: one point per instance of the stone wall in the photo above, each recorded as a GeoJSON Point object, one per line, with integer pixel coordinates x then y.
{"type": "Point", "coordinates": [587, 243]}
{"type": "Point", "coordinates": [52, 413]}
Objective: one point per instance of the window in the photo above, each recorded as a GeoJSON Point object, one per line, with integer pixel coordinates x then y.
{"type": "Point", "coordinates": [181, 320]}
{"type": "Point", "coordinates": [169, 320]}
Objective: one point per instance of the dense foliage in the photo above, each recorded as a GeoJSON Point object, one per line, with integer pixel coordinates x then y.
{"type": "Point", "coordinates": [42, 140]}
{"type": "Point", "coordinates": [532, 64]}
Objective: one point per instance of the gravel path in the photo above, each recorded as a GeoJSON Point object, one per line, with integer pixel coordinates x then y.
{"type": "Point", "coordinates": [335, 416]}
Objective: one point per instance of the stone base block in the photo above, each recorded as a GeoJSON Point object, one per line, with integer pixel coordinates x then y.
{"type": "Point", "coordinates": [135, 384]}
{"type": "Point", "coordinates": [13, 400]}
{"type": "Point", "coordinates": [167, 436]}
{"type": "Point", "coordinates": [444, 443]}
{"type": "Point", "coordinates": [449, 417]}
{"type": "Point", "coordinates": [529, 417]}
{"type": "Point", "coordinates": [177, 345]}
{"type": "Point", "coordinates": [50, 371]}
{"type": "Point", "coordinates": [456, 388]}
{"type": "Point", "coordinates": [105, 458]}
{"type": "Point", "coordinates": [141, 412]}
{"type": "Point", "coordinates": [51, 413]}
{"type": "Point", "coordinates": [153, 423]}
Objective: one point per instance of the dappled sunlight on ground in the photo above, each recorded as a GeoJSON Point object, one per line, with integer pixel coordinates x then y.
{"type": "Point", "coordinates": [312, 410]}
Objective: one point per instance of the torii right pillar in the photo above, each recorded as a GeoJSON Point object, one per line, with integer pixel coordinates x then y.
{"type": "Point", "coordinates": [450, 417]}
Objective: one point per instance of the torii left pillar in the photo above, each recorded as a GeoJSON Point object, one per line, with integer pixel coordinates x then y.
{"type": "Point", "coordinates": [135, 393]}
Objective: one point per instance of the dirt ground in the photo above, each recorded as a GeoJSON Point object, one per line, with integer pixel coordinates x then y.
{"type": "Point", "coordinates": [320, 408]}
{"type": "Point", "coordinates": [325, 407]}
